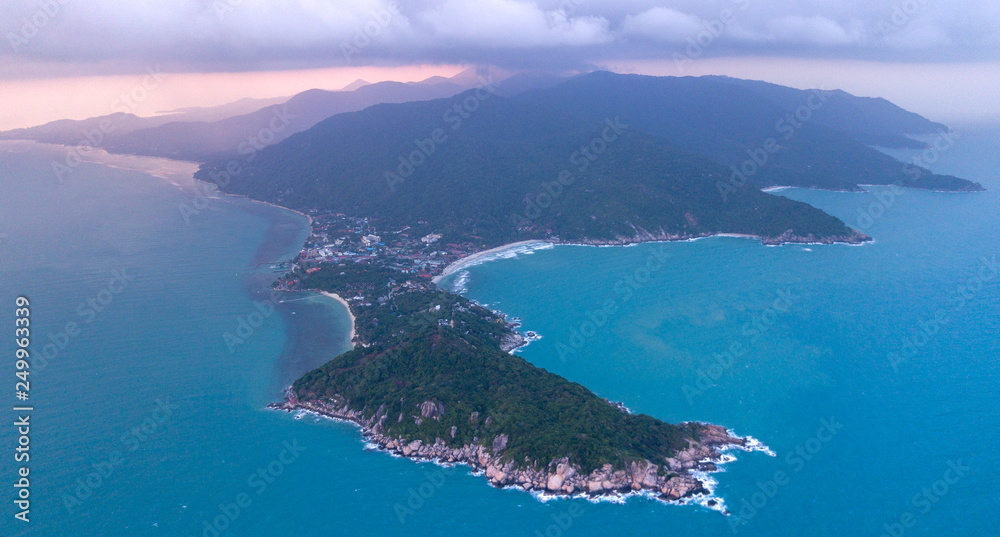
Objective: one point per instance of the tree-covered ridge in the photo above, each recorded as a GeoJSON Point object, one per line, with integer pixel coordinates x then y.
{"type": "Point", "coordinates": [516, 170]}
{"type": "Point", "coordinates": [601, 157]}
{"type": "Point", "coordinates": [821, 138]}
{"type": "Point", "coordinates": [432, 363]}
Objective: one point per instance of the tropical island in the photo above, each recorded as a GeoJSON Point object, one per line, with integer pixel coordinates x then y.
{"type": "Point", "coordinates": [403, 181]}
{"type": "Point", "coordinates": [397, 193]}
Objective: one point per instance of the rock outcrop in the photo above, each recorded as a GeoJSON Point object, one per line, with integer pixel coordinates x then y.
{"type": "Point", "coordinates": [672, 480]}
{"type": "Point", "coordinates": [432, 409]}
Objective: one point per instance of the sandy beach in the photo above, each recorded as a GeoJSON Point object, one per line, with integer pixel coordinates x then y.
{"type": "Point", "coordinates": [164, 168]}
{"type": "Point", "coordinates": [340, 299]}
{"type": "Point", "coordinates": [465, 261]}
{"type": "Point", "coordinates": [180, 172]}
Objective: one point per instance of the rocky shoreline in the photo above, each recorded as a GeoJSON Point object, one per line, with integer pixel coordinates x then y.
{"type": "Point", "coordinates": [787, 237]}
{"type": "Point", "coordinates": [680, 478]}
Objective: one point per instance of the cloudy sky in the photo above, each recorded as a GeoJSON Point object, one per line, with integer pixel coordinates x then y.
{"type": "Point", "coordinates": [940, 58]}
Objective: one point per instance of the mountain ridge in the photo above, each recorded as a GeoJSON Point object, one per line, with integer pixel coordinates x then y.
{"type": "Point", "coordinates": [487, 170]}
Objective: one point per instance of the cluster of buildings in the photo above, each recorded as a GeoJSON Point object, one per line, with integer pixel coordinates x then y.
{"type": "Point", "coordinates": [416, 251]}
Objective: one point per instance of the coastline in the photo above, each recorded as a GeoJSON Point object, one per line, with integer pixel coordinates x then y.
{"type": "Point", "coordinates": [161, 167]}
{"type": "Point", "coordinates": [856, 239]}
{"type": "Point", "coordinates": [471, 258]}
{"type": "Point", "coordinates": [350, 313]}
{"type": "Point", "coordinates": [685, 478]}
{"type": "Point", "coordinates": [178, 172]}
{"type": "Point", "coordinates": [215, 188]}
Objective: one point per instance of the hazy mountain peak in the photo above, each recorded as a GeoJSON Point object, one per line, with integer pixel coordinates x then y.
{"type": "Point", "coordinates": [359, 83]}
{"type": "Point", "coordinates": [474, 76]}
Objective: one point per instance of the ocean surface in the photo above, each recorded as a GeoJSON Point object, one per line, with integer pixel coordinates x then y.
{"type": "Point", "coordinates": [871, 371]}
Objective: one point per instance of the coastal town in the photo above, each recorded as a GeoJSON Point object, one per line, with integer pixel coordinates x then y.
{"type": "Point", "coordinates": [364, 265]}
{"type": "Point", "coordinates": [416, 252]}
{"type": "Point", "coordinates": [412, 257]}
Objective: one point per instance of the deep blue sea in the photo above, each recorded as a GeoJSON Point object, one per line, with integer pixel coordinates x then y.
{"type": "Point", "coordinates": [872, 371]}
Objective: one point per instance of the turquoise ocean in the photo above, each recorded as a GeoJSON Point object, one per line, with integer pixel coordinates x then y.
{"type": "Point", "coordinates": [871, 371]}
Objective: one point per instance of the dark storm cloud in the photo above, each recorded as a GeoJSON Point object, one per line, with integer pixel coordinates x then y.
{"type": "Point", "coordinates": [211, 35]}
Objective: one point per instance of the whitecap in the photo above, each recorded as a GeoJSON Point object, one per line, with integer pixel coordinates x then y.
{"type": "Point", "coordinates": [460, 284]}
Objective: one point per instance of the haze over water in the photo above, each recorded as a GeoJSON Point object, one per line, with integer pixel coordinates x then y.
{"type": "Point", "coordinates": [824, 357]}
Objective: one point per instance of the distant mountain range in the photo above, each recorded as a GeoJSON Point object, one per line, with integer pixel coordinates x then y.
{"type": "Point", "coordinates": [485, 153]}
{"type": "Point", "coordinates": [204, 140]}
{"type": "Point", "coordinates": [201, 134]}
{"type": "Point", "coordinates": [245, 105]}
{"type": "Point", "coordinates": [872, 121]}
{"type": "Point", "coordinates": [725, 119]}
{"type": "Point", "coordinates": [99, 131]}
{"type": "Point", "coordinates": [599, 158]}
{"type": "Point", "coordinates": [775, 136]}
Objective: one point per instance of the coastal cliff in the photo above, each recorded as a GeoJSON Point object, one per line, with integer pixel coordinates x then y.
{"type": "Point", "coordinates": [676, 478]}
